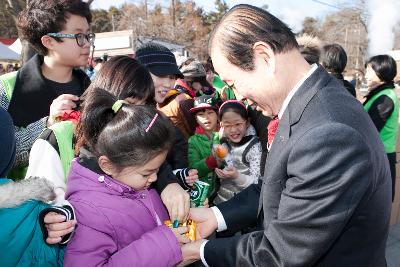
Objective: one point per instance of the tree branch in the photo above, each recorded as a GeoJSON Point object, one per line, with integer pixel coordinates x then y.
{"type": "Point", "coordinates": [14, 8]}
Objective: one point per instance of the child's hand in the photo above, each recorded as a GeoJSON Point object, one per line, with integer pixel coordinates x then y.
{"type": "Point", "coordinates": [180, 234]}
{"type": "Point", "coordinates": [205, 203]}
{"type": "Point", "coordinates": [227, 173]}
{"type": "Point", "coordinates": [192, 177]}
{"type": "Point", "coordinates": [60, 104]}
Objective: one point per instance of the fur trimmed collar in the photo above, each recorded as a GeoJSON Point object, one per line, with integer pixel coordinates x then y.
{"type": "Point", "coordinates": [13, 194]}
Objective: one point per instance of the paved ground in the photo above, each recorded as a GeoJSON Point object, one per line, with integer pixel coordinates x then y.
{"type": "Point", "coordinates": [393, 247]}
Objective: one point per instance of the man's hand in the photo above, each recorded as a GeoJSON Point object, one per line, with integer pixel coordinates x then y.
{"type": "Point", "coordinates": [206, 222]}
{"type": "Point", "coordinates": [180, 234]}
{"type": "Point", "coordinates": [190, 252]}
{"type": "Point", "coordinates": [57, 227]}
{"type": "Point", "coordinates": [177, 202]}
{"type": "Point", "coordinates": [60, 104]}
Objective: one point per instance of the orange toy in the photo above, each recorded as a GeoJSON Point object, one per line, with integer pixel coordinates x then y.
{"type": "Point", "coordinates": [221, 151]}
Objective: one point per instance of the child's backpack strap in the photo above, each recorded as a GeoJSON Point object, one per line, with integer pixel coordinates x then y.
{"type": "Point", "coordinates": [252, 142]}
{"type": "Point", "coordinates": [8, 81]}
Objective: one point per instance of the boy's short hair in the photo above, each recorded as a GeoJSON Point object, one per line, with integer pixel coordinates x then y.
{"type": "Point", "coordinates": [334, 58]}
{"type": "Point", "coordinates": [45, 16]}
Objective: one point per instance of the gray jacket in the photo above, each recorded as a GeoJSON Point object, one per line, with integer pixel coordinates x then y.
{"type": "Point", "coordinates": [326, 195]}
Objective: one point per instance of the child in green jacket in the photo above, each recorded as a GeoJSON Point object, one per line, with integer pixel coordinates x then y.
{"type": "Point", "coordinates": [201, 143]}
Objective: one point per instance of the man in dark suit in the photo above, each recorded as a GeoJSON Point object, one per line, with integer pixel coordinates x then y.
{"type": "Point", "coordinates": [325, 197]}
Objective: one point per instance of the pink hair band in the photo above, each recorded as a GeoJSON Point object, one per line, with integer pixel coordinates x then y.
{"type": "Point", "coordinates": [151, 123]}
{"type": "Point", "coordinates": [232, 101]}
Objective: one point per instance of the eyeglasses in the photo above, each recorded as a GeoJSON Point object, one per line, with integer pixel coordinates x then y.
{"type": "Point", "coordinates": [80, 38]}
{"type": "Point", "coordinates": [235, 125]}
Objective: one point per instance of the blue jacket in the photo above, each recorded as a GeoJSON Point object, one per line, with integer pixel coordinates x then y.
{"type": "Point", "coordinates": [21, 238]}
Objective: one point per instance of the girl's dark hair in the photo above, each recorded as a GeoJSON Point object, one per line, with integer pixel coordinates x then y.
{"type": "Point", "coordinates": [125, 77]}
{"type": "Point", "coordinates": [244, 25]}
{"type": "Point", "coordinates": [122, 77]}
{"type": "Point", "coordinates": [384, 67]}
{"type": "Point", "coordinates": [234, 106]}
{"type": "Point", "coordinates": [46, 16]}
{"type": "Point", "coordinates": [121, 136]}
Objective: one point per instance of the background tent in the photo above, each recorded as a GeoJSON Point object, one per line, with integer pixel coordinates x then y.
{"type": "Point", "coordinates": [7, 54]}
{"type": "Point", "coordinates": [16, 46]}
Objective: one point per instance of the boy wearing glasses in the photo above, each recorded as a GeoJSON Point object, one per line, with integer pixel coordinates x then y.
{"type": "Point", "coordinates": [48, 84]}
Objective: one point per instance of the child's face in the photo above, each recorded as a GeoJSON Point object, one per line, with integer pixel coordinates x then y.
{"type": "Point", "coordinates": [235, 126]}
{"type": "Point", "coordinates": [207, 119]}
{"type": "Point", "coordinates": [162, 85]}
{"type": "Point", "coordinates": [68, 52]}
{"type": "Point", "coordinates": [140, 177]}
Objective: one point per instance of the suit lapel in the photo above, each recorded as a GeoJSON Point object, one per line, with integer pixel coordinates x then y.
{"type": "Point", "coordinates": [290, 117]}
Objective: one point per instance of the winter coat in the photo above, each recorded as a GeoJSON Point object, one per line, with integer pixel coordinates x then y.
{"type": "Point", "coordinates": [117, 226]}
{"type": "Point", "coordinates": [176, 106]}
{"type": "Point", "coordinates": [200, 146]}
{"type": "Point", "coordinates": [21, 238]}
{"type": "Point", "coordinates": [26, 95]}
{"type": "Point", "coordinates": [246, 158]}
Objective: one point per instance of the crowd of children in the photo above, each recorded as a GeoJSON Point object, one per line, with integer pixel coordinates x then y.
{"type": "Point", "coordinates": [117, 154]}
{"type": "Point", "coordinates": [109, 162]}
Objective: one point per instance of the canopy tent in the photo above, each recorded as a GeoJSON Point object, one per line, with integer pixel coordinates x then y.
{"type": "Point", "coordinates": [7, 54]}
{"type": "Point", "coordinates": [16, 46]}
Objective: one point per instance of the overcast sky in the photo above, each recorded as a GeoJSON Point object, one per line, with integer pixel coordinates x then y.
{"type": "Point", "coordinates": [291, 12]}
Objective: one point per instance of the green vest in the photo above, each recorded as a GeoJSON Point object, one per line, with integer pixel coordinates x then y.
{"type": "Point", "coordinates": [64, 133]}
{"type": "Point", "coordinates": [388, 133]}
{"type": "Point", "coordinates": [8, 81]}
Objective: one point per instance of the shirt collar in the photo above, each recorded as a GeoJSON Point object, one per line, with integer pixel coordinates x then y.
{"type": "Point", "coordinates": [295, 89]}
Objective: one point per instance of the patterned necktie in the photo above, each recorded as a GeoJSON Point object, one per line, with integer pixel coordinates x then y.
{"type": "Point", "coordinates": [272, 128]}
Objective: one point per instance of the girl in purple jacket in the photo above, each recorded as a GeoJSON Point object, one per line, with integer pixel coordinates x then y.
{"type": "Point", "coordinates": [120, 220]}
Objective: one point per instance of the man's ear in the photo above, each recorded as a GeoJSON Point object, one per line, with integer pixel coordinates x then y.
{"type": "Point", "coordinates": [106, 165]}
{"type": "Point", "coordinates": [48, 42]}
{"type": "Point", "coordinates": [264, 54]}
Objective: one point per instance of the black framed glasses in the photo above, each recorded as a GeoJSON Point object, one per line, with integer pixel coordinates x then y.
{"type": "Point", "coordinates": [80, 38]}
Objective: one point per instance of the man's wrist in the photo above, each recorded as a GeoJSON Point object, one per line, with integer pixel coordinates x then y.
{"type": "Point", "coordinates": [203, 259]}
{"type": "Point", "coordinates": [220, 219]}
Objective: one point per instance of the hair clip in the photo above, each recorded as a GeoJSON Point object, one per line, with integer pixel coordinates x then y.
{"type": "Point", "coordinates": [117, 105]}
{"type": "Point", "coordinates": [151, 123]}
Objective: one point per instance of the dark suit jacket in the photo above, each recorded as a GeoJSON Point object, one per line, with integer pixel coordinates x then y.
{"type": "Point", "coordinates": [326, 197]}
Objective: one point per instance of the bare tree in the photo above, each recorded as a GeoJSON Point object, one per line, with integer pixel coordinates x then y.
{"type": "Point", "coordinates": [347, 27]}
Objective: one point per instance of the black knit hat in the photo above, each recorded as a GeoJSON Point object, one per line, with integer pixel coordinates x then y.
{"type": "Point", "coordinates": [158, 59]}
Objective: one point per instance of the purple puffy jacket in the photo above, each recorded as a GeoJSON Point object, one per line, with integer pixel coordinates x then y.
{"type": "Point", "coordinates": [117, 226]}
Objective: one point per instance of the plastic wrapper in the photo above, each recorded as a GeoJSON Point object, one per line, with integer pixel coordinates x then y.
{"type": "Point", "coordinates": [191, 234]}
